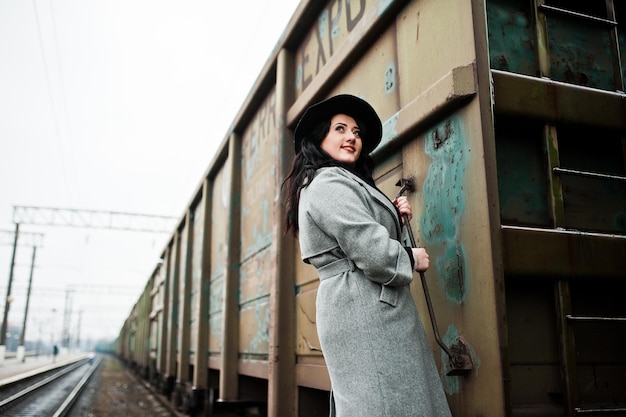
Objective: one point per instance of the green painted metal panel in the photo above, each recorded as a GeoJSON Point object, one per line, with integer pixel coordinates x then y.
{"type": "Point", "coordinates": [258, 191]}
{"type": "Point", "coordinates": [512, 44]}
{"type": "Point", "coordinates": [444, 197]}
{"type": "Point", "coordinates": [593, 204]}
{"type": "Point", "coordinates": [580, 53]}
{"type": "Point", "coordinates": [522, 173]}
{"type": "Point", "coordinates": [533, 345]}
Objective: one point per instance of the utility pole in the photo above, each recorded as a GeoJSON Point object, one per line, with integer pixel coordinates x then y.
{"type": "Point", "coordinates": [80, 319]}
{"type": "Point", "coordinates": [36, 241]}
{"type": "Point", "coordinates": [7, 301]}
{"type": "Point", "coordinates": [67, 318]}
{"type": "Point", "coordinates": [21, 349]}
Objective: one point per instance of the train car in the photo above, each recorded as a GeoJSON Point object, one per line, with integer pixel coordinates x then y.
{"type": "Point", "coordinates": [509, 118]}
{"type": "Point", "coordinates": [133, 343]}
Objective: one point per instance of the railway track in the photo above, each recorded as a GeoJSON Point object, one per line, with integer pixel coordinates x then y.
{"type": "Point", "coordinates": [52, 393]}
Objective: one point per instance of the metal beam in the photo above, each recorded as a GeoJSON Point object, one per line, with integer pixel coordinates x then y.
{"type": "Point", "coordinates": [7, 237]}
{"type": "Point", "coordinates": [95, 219]}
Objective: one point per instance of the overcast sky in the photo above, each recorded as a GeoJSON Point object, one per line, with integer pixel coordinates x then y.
{"type": "Point", "coordinates": [115, 105]}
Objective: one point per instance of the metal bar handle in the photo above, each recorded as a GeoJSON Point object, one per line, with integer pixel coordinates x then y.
{"type": "Point", "coordinates": [589, 174]}
{"type": "Point", "coordinates": [596, 319]}
{"type": "Point", "coordinates": [460, 361]}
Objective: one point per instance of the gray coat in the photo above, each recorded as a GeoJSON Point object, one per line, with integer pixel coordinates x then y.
{"type": "Point", "coordinates": [376, 351]}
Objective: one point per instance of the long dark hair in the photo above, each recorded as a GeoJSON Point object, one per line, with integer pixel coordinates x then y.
{"type": "Point", "coordinates": [309, 159]}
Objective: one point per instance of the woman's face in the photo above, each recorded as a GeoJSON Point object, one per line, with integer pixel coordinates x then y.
{"type": "Point", "coordinates": [343, 141]}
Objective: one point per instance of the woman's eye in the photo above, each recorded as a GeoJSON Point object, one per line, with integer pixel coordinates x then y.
{"type": "Point", "coordinates": [357, 133]}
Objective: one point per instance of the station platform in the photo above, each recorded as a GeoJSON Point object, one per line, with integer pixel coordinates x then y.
{"type": "Point", "coordinates": [12, 368]}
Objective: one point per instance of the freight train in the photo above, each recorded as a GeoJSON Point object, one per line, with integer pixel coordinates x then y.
{"type": "Point", "coordinates": [509, 118]}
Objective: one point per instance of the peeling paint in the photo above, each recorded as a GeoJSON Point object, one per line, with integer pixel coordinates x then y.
{"type": "Point", "coordinates": [261, 233]}
{"type": "Point", "coordinates": [225, 187]}
{"type": "Point", "coordinates": [512, 43]}
{"type": "Point", "coordinates": [452, 384]}
{"type": "Point", "coordinates": [383, 5]}
{"type": "Point", "coordinates": [251, 285]}
{"type": "Point", "coordinates": [254, 282]}
{"type": "Point", "coordinates": [216, 295]}
{"type": "Point", "coordinates": [332, 27]}
{"type": "Point", "coordinates": [262, 337]}
{"type": "Point", "coordinates": [218, 266]}
{"type": "Point", "coordinates": [215, 325]}
{"type": "Point", "coordinates": [451, 269]}
{"type": "Point", "coordinates": [580, 54]}
{"type": "Point", "coordinates": [390, 78]}
{"type": "Point", "coordinates": [310, 318]}
{"type": "Point", "coordinates": [444, 203]}
{"type": "Point", "coordinates": [259, 169]}
{"type": "Point", "coordinates": [322, 23]}
{"type": "Point", "coordinates": [390, 132]}
{"type": "Point", "coordinates": [335, 27]}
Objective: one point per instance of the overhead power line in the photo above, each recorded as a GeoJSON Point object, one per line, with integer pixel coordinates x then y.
{"type": "Point", "coordinates": [81, 289]}
{"type": "Point", "coordinates": [95, 219]}
{"type": "Point", "coordinates": [50, 95]}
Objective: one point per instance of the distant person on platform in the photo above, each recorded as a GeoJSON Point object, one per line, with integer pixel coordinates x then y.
{"type": "Point", "coordinates": [55, 352]}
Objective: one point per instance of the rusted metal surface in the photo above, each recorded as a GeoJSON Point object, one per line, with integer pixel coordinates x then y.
{"type": "Point", "coordinates": [143, 333]}
{"type": "Point", "coordinates": [533, 353]}
{"type": "Point", "coordinates": [171, 264]}
{"type": "Point", "coordinates": [558, 102]}
{"type": "Point", "coordinates": [341, 32]}
{"type": "Point", "coordinates": [522, 181]}
{"type": "Point", "coordinates": [562, 253]}
{"type": "Point", "coordinates": [489, 106]}
{"type": "Point", "coordinates": [567, 348]}
{"type": "Point", "coordinates": [459, 357]}
{"type": "Point", "coordinates": [229, 354]}
{"type": "Point", "coordinates": [445, 199]}
{"type": "Point", "coordinates": [195, 284]}
{"type": "Point", "coordinates": [580, 53]}
{"type": "Point", "coordinates": [258, 193]}
{"type": "Point", "coordinates": [218, 260]}
{"type": "Point", "coordinates": [158, 315]}
{"type": "Point", "coordinates": [512, 42]}
{"type": "Point", "coordinates": [399, 122]}
{"type": "Point", "coordinates": [200, 296]}
{"type": "Point", "coordinates": [281, 360]}
{"type": "Point", "coordinates": [183, 356]}
{"type": "Point", "coordinates": [570, 191]}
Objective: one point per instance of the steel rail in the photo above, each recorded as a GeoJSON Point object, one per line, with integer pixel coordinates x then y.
{"type": "Point", "coordinates": [67, 405]}
{"type": "Point", "coordinates": [39, 386]}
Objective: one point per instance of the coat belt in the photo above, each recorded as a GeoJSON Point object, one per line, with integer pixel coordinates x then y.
{"type": "Point", "coordinates": [335, 268]}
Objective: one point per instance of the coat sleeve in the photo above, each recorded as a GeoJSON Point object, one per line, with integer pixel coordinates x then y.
{"type": "Point", "coordinates": [344, 210]}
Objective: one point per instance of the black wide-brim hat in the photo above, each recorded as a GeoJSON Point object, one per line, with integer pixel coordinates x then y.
{"type": "Point", "coordinates": [354, 107]}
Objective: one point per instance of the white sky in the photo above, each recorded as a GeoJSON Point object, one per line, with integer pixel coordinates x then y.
{"type": "Point", "coordinates": [115, 105]}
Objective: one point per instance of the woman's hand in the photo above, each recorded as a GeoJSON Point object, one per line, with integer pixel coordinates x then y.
{"type": "Point", "coordinates": [402, 203]}
{"type": "Point", "coordinates": [422, 260]}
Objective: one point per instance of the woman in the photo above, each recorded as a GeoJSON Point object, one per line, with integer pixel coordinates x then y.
{"type": "Point", "coordinates": [374, 345]}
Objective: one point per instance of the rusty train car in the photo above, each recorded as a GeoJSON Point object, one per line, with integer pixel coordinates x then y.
{"type": "Point", "coordinates": [510, 118]}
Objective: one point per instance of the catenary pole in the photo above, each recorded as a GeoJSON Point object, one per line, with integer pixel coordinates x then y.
{"type": "Point", "coordinates": [7, 301]}
{"type": "Point", "coordinates": [30, 283]}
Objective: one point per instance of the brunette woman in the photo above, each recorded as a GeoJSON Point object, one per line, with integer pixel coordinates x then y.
{"type": "Point", "coordinates": [377, 354]}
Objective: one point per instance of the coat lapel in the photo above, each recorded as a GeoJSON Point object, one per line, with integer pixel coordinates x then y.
{"type": "Point", "coordinates": [381, 198]}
